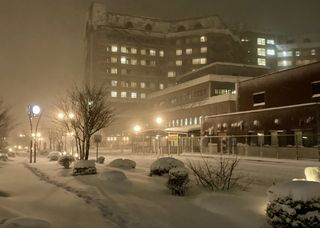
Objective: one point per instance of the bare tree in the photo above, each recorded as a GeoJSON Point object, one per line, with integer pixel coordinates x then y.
{"type": "Point", "coordinates": [85, 111]}
{"type": "Point", "coordinates": [4, 123]}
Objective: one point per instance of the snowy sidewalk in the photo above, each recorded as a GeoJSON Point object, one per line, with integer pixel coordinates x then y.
{"type": "Point", "coordinates": [34, 198]}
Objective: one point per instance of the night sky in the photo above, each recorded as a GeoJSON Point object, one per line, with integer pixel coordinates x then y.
{"type": "Point", "coordinates": [41, 41]}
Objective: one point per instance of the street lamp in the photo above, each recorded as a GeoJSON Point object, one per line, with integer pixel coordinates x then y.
{"type": "Point", "coordinates": [34, 112]}
{"type": "Point", "coordinates": [159, 122]}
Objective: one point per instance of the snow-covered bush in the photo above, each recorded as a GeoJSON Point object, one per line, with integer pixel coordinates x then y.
{"type": "Point", "coordinates": [11, 154]}
{"type": "Point", "coordinates": [112, 175]}
{"type": "Point", "coordinates": [54, 155]}
{"type": "Point", "coordinates": [178, 181]}
{"type": "Point", "coordinates": [84, 167]}
{"type": "Point", "coordinates": [3, 157]}
{"type": "Point", "coordinates": [294, 204]}
{"type": "Point", "coordinates": [66, 161]}
{"type": "Point", "coordinates": [312, 173]}
{"type": "Point", "coordinates": [123, 164]}
{"type": "Point", "coordinates": [26, 222]}
{"type": "Point", "coordinates": [101, 159]}
{"type": "Point", "coordinates": [163, 165]}
{"type": "Point", "coordinates": [218, 175]}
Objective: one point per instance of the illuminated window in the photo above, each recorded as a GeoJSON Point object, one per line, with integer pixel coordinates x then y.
{"type": "Point", "coordinates": [143, 62]}
{"type": "Point", "coordinates": [161, 53]}
{"type": "Point", "coordinates": [114, 70]}
{"type": "Point", "coordinates": [114, 82]}
{"type": "Point", "coordinates": [161, 86]}
{"type": "Point", "coordinates": [178, 52]}
{"type": "Point", "coordinates": [114, 48]}
{"type": "Point", "coordinates": [203, 39]}
{"type": "Point", "coordinates": [178, 62]}
{"type": "Point", "coordinates": [313, 52]}
{"type": "Point", "coordinates": [133, 95]}
{"type": "Point", "coordinates": [199, 61]}
{"type": "Point", "coordinates": [114, 59]}
{"type": "Point", "coordinates": [142, 84]}
{"type": "Point", "coordinates": [285, 54]}
{"type": "Point", "coordinates": [261, 41]}
{"type": "Point", "coordinates": [271, 52]}
{"type": "Point", "coordinates": [261, 61]}
{"type": "Point", "coordinates": [261, 51]}
{"type": "Point", "coordinates": [123, 94]}
{"type": "Point", "coordinates": [123, 60]}
{"type": "Point", "coordinates": [258, 99]}
{"type": "Point", "coordinates": [143, 95]}
{"type": "Point", "coordinates": [171, 74]}
{"type": "Point", "coordinates": [134, 51]}
{"type": "Point", "coordinates": [189, 51]}
{"type": "Point", "coordinates": [186, 121]}
{"type": "Point", "coordinates": [124, 49]}
{"type": "Point", "coordinates": [190, 121]}
{"type": "Point", "coordinates": [203, 49]}
{"type": "Point", "coordinates": [133, 84]}
{"type": "Point", "coordinates": [270, 42]}
{"type": "Point", "coordinates": [195, 120]}
{"type": "Point", "coordinates": [134, 61]}
{"type": "Point", "coordinates": [284, 63]}
{"type": "Point", "coordinates": [114, 94]}
{"type": "Point", "coordinates": [152, 52]}
{"type": "Point", "coordinates": [298, 53]}
{"type": "Point", "coordinates": [143, 52]}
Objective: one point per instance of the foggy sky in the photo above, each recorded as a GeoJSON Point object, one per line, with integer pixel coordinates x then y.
{"type": "Point", "coordinates": [41, 41]}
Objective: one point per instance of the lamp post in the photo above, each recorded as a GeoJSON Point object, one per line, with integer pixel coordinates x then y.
{"type": "Point", "coordinates": [159, 122]}
{"type": "Point", "coordinates": [34, 112]}
{"type": "Point", "coordinates": [136, 129]}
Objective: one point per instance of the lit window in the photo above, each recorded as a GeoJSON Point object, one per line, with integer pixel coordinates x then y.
{"type": "Point", "coordinates": [261, 51]}
{"type": "Point", "coordinates": [143, 52]}
{"type": "Point", "coordinates": [133, 51]}
{"type": "Point", "coordinates": [199, 61]}
{"type": "Point", "coordinates": [261, 41]}
{"type": "Point", "coordinates": [203, 49]}
{"type": "Point", "coordinates": [285, 54]}
{"type": "Point", "coordinates": [114, 70]}
{"type": "Point", "coordinates": [298, 53]}
{"type": "Point", "coordinates": [133, 95]}
{"type": "Point", "coordinates": [114, 94]}
{"type": "Point", "coordinates": [189, 51]}
{"type": "Point", "coordinates": [123, 94]}
{"type": "Point", "coordinates": [313, 52]}
{"type": "Point", "coordinates": [161, 86]}
{"type": "Point", "coordinates": [123, 60]}
{"type": "Point", "coordinates": [114, 48]}
{"type": "Point", "coordinates": [152, 52]}
{"type": "Point", "coordinates": [134, 61]}
{"type": "Point", "coordinates": [143, 62]}
{"type": "Point", "coordinates": [178, 62]}
{"type": "Point", "coordinates": [171, 74]}
{"type": "Point", "coordinates": [124, 49]}
{"type": "Point", "coordinates": [143, 95]}
{"type": "Point", "coordinates": [142, 84]}
{"type": "Point", "coordinates": [270, 42]}
{"type": "Point", "coordinates": [195, 120]}
{"type": "Point", "coordinates": [161, 53]}
{"type": "Point", "coordinates": [133, 84]}
{"type": "Point", "coordinates": [261, 61]}
{"type": "Point", "coordinates": [203, 39]}
{"type": "Point", "coordinates": [114, 59]}
{"type": "Point", "coordinates": [178, 52]}
{"type": "Point", "coordinates": [284, 63]}
{"type": "Point", "coordinates": [186, 121]}
{"type": "Point", "coordinates": [114, 82]}
{"type": "Point", "coordinates": [315, 89]}
{"type": "Point", "coordinates": [190, 121]}
{"type": "Point", "coordinates": [271, 52]}
{"type": "Point", "coordinates": [259, 99]}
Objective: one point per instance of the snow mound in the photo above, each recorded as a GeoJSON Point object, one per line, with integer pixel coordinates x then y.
{"type": "Point", "coordinates": [296, 190]}
{"type": "Point", "coordinates": [113, 175]}
{"type": "Point", "coordinates": [163, 165]}
{"type": "Point", "coordinates": [123, 164]}
{"type": "Point", "coordinates": [312, 173]}
{"type": "Point", "coordinates": [84, 167]}
{"type": "Point", "coordinates": [26, 222]}
{"type": "Point", "coordinates": [54, 155]}
{"type": "Point", "coordinates": [84, 164]}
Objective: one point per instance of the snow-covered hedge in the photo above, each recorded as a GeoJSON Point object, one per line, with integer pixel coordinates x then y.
{"type": "Point", "coordinates": [84, 167]}
{"type": "Point", "coordinates": [66, 161]}
{"type": "Point", "coordinates": [54, 155]}
{"type": "Point", "coordinates": [3, 157]}
{"type": "Point", "coordinates": [101, 159]}
{"type": "Point", "coordinates": [178, 181]}
{"type": "Point", "coordinates": [123, 164]}
{"type": "Point", "coordinates": [294, 204]}
{"type": "Point", "coordinates": [163, 165]}
{"type": "Point", "coordinates": [312, 173]}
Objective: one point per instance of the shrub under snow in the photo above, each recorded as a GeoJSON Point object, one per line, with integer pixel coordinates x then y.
{"type": "Point", "coordinates": [54, 155]}
{"type": "Point", "coordinates": [294, 204]}
{"type": "Point", "coordinates": [163, 165]}
{"type": "Point", "coordinates": [178, 181]}
{"type": "Point", "coordinates": [312, 173]}
{"type": "Point", "coordinates": [123, 164]}
{"type": "Point", "coordinates": [3, 157]}
{"type": "Point", "coordinates": [84, 167]}
{"type": "Point", "coordinates": [66, 161]}
{"type": "Point", "coordinates": [101, 159]}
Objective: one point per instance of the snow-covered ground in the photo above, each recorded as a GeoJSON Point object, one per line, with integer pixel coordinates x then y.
{"type": "Point", "coordinates": [110, 199]}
